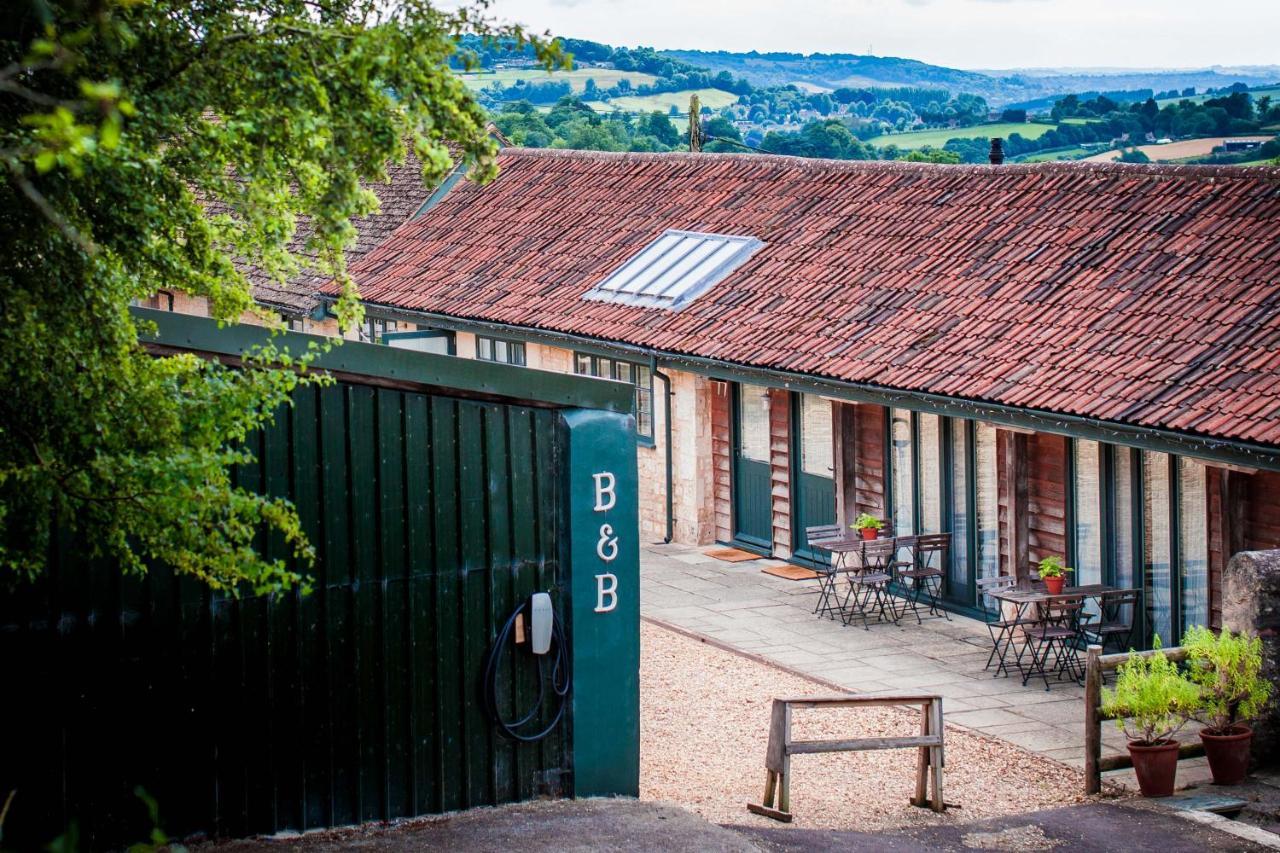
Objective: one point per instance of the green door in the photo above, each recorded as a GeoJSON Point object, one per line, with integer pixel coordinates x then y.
{"type": "Point", "coordinates": [813, 478]}
{"type": "Point", "coordinates": [752, 498]}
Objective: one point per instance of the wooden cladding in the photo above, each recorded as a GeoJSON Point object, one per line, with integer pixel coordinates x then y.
{"type": "Point", "coordinates": [432, 517]}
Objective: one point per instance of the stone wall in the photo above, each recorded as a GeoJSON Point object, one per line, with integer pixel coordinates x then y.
{"type": "Point", "coordinates": [1251, 603]}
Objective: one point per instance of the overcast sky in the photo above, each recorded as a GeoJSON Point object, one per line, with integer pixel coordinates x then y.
{"type": "Point", "coordinates": [957, 33]}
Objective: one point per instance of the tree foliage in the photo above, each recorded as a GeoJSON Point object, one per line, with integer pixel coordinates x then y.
{"type": "Point", "coordinates": [146, 146]}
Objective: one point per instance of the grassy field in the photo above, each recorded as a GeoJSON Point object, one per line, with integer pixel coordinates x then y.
{"type": "Point", "coordinates": [938, 138]}
{"type": "Point", "coordinates": [1172, 151]}
{"type": "Point", "coordinates": [713, 98]}
{"type": "Point", "coordinates": [577, 78]}
{"type": "Point", "coordinates": [1273, 91]}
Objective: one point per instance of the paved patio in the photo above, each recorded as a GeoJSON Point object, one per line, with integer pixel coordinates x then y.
{"type": "Point", "coordinates": [739, 606]}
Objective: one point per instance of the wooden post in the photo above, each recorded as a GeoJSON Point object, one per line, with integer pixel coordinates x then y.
{"type": "Point", "coordinates": [935, 754]}
{"type": "Point", "coordinates": [844, 422]}
{"type": "Point", "coordinates": [922, 761]}
{"type": "Point", "coordinates": [1092, 724]}
{"type": "Point", "coordinates": [1015, 468]}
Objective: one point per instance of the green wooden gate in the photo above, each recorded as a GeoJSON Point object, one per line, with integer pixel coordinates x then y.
{"type": "Point", "coordinates": [436, 505]}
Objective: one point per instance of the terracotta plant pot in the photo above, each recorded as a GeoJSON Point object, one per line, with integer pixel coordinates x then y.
{"type": "Point", "coordinates": [1054, 584]}
{"type": "Point", "coordinates": [869, 532]}
{"type": "Point", "coordinates": [1228, 754]}
{"type": "Point", "coordinates": [1156, 767]}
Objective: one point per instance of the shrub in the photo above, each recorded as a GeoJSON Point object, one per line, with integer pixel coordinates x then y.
{"type": "Point", "coordinates": [1152, 699]}
{"type": "Point", "coordinates": [1228, 670]}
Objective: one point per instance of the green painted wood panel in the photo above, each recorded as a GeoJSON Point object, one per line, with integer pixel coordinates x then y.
{"type": "Point", "coordinates": [432, 517]}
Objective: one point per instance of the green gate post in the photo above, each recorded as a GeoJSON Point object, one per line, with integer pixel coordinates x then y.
{"type": "Point", "coordinates": [604, 602]}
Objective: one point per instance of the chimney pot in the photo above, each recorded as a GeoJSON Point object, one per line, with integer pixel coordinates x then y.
{"type": "Point", "coordinates": [997, 151]}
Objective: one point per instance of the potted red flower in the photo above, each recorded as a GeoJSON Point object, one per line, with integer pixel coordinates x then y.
{"type": "Point", "coordinates": [1151, 701]}
{"type": "Point", "coordinates": [1228, 669]}
{"type": "Point", "coordinates": [868, 525]}
{"type": "Point", "coordinates": [1054, 574]}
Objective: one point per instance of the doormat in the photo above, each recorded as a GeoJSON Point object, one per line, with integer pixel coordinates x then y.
{"type": "Point", "coordinates": [731, 555]}
{"type": "Point", "coordinates": [791, 573]}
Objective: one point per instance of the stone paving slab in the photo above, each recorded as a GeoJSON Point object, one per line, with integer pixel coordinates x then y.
{"type": "Point", "coordinates": [743, 608]}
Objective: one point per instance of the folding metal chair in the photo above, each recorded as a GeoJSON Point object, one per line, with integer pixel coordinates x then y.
{"type": "Point", "coordinates": [869, 585]}
{"type": "Point", "coordinates": [924, 573]}
{"type": "Point", "coordinates": [1002, 630]}
{"type": "Point", "coordinates": [1115, 620]}
{"type": "Point", "coordinates": [1058, 634]}
{"type": "Point", "coordinates": [816, 536]}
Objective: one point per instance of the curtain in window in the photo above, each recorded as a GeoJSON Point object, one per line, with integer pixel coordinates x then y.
{"type": "Point", "coordinates": [988, 506]}
{"type": "Point", "coordinates": [960, 509]}
{"type": "Point", "coordinates": [930, 431]}
{"type": "Point", "coordinates": [816, 448]}
{"type": "Point", "coordinates": [1156, 545]}
{"type": "Point", "coordinates": [753, 423]}
{"type": "Point", "coordinates": [903, 462]}
{"type": "Point", "coordinates": [1088, 512]}
{"type": "Point", "coordinates": [1193, 543]}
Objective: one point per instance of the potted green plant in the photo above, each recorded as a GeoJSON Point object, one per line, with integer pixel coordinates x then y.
{"type": "Point", "coordinates": [868, 525]}
{"type": "Point", "coordinates": [1151, 701]}
{"type": "Point", "coordinates": [1228, 669]}
{"type": "Point", "coordinates": [1053, 573]}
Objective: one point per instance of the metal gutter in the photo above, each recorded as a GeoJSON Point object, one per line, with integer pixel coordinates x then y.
{"type": "Point", "coordinates": [1204, 448]}
{"type": "Point", "coordinates": [666, 417]}
{"type": "Point", "coordinates": [184, 332]}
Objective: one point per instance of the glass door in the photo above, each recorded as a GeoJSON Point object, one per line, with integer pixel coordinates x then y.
{"type": "Point", "coordinates": [814, 476]}
{"type": "Point", "coordinates": [752, 492]}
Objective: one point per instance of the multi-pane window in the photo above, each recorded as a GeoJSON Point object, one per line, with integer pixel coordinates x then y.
{"type": "Point", "coordinates": [1139, 520]}
{"type": "Point", "coordinates": [294, 323]}
{"type": "Point", "coordinates": [497, 349]}
{"type": "Point", "coordinates": [375, 327]}
{"type": "Point", "coordinates": [942, 479]}
{"type": "Point", "coordinates": [638, 375]}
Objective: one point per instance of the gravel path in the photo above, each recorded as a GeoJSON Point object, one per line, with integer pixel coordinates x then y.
{"type": "Point", "coordinates": [704, 718]}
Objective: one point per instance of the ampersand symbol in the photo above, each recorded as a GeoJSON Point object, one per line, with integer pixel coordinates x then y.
{"type": "Point", "coordinates": [607, 547]}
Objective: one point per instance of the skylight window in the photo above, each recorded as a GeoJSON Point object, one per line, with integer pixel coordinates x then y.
{"type": "Point", "coordinates": [674, 269]}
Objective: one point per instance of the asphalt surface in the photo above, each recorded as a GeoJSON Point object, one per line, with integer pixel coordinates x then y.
{"type": "Point", "coordinates": [630, 825]}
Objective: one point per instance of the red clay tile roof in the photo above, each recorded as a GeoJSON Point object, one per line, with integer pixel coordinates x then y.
{"type": "Point", "coordinates": [1144, 295]}
{"type": "Point", "coordinates": [398, 199]}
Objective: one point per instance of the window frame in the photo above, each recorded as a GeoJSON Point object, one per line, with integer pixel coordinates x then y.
{"type": "Point", "coordinates": [511, 345]}
{"type": "Point", "coordinates": [643, 390]}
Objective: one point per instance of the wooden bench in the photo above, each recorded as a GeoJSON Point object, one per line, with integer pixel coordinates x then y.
{"type": "Point", "coordinates": [777, 786]}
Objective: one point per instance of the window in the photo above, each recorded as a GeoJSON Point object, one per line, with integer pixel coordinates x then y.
{"type": "Point", "coordinates": [753, 422]}
{"type": "Point", "coordinates": [1157, 550]}
{"type": "Point", "coordinates": [638, 375]}
{"type": "Point", "coordinates": [674, 269]}
{"type": "Point", "coordinates": [816, 448]}
{"type": "Point", "coordinates": [294, 323]}
{"type": "Point", "coordinates": [1193, 543]}
{"type": "Point", "coordinates": [497, 349]}
{"type": "Point", "coordinates": [162, 300]}
{"type": "Point", "coordinates": [375, 327]}
{"type": "Point", "coordinates": [1087, 508]}
{"type": "Point", "coordinates": [942, 479]}
{"type": "Point", "coordinates": [902, 462]}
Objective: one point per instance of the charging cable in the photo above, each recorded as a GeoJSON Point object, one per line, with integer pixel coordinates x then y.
{"type": "Point", "coordinates": [559, 681]}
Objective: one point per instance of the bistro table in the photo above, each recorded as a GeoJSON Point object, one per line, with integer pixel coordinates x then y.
{"type": "Point", "coordinates": [830, 602]}
{"type": "Point", "coordinates": [1031, 605]}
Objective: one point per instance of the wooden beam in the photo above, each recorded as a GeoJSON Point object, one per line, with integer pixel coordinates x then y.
{"type": "Point", "coordinates": [1015, 469]}
{"type": "Point", "coordinates": [844, 423]}
{"type": "Point", "coordinates": [811, 747]}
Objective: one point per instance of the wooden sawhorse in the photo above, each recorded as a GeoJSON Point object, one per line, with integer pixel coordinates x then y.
{"type": "Point", "coordinates": [777, 785]}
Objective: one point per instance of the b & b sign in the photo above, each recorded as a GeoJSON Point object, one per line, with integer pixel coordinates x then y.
{"type": "Point", "coordinates": [607, 544]}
